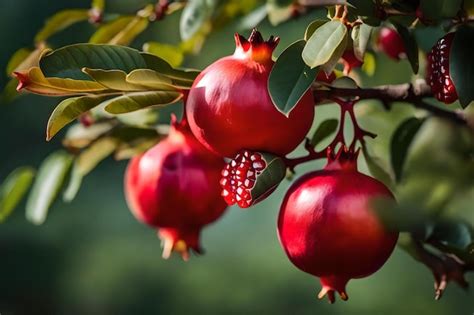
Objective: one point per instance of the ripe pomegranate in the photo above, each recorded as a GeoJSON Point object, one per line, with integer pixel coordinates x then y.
{"type": "Point", "coordinates": [229, 108]}
{"type": "Point", "coordinates": [327, 228]}
{"type": "Point", "coordinates": [391, 43]}
{"type": "Point", "coordinates": [437, 71]}
{"type": "Point", "coordinates": [174, 187]}
{"type": "Point", "coordinates": [350, 61]}
{"type": "Point", "coordinates": [323, 77]}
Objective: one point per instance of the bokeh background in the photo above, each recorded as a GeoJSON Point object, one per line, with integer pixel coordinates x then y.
{"type": "Point", "coordinates": [93, 257]}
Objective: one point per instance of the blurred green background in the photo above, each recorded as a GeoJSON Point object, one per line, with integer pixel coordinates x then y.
{"type": "Point", "coordinates": [93, 257]}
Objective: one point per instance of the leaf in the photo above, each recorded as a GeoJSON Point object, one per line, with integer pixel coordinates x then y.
{"type": "Point", "coordinates": [68, 110]}
{"type": "Point", "coordinates": [151, 79]}
{"type": "Point", "coordinates": [86, 162]}
{"type": "Point", "coordinates": [278, 14]}
{"type": "Point", "coordinates": [172, 54]}
{"type": "Point", "coordinates": [253, 19]}
{"type": "Point", "coordinates": [181, 78]}
{"type": "Point", "coordinates": [360, 38]}
{"type": "Point", "coordinates": [290, 78]}
{"type": "Point", "coordinates": [18, 57]}
{"type": "Point", "coordinates": [20, 61]}
{"type": "Point", "coordinates": [134, 101]}
{"type": "Point", "coordinates": [121, 31]}
{"type": "Point", "coordinates": [312, 27]}
{"type": "Point", "coordinates": [453, 235]}
{"type": "Point", "coordinates": [323, 43]}
{"type": "Point", "coordinates": [79, 137]}
{"type": "Point", "coordinates": [68, 62]}
{"type": "Point", "coordinates": [461, 64]}
{"type": "Point", "coordinates": [194, 15]}
{"type": "Point", "coordinates": [411, 46]}
{"type": "Point", "coordinates": [35, 82]}
{"type": "Point", "coordinates": [369, 64]}
{"type": "Point", "coordinates": [325, 129]}
{"type": "Point", "coordinates": [376, 169]}
{"type": "Point", "coordinates": [48, 183]}
{"type": "Point", "coordinates": [437, 9]}
{"type": "Point", "coordinates": [98, 4]}
{"type": "Point", "coordinates": [329, 66]}
{"type": "Point", "coordinates": [13, 189]}
{"type": "Point", "coordinates": [113, 79]}
{"type": "Point", "coordinates": [60, 21]}
{"type": "Point", "coordinates": [400, 143]}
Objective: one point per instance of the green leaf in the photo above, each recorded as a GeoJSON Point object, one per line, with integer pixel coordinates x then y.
{"type": "Point", "coordinates": [290, 78]}
{"type": "Point", "coordinates": [323, 43]}
{"type": "Point", "coordinates": [369, 64]}
{"type": "Point", "coordinates": [360, 38]}
{"type": "Point", "coordinates": [312, 27]}
{"type": "Point", "coordinates": [411, 46]}
{"type": "Point", "coordinates": [376, 169]}
{"type": "Point", "coordinates": [152, 80]}
{"type": "Point", "coordinates": [253, 19]}
{"type": "Point", "coordinates": [181, 78]}
{"type": "Point", "coordinates": [13, 189]}
{"type": "Point", "coordinates": [400, 144]}
{"type": "Point", "coordinates": [325, 129]}
{"type": "Point", "coordinates": [278, 14]}
{"type": "Point", "coordinates": [79, 137]}
{"type": "Point", "coordinates": [48, 183]}
{"type": "Point", "coordinates": [121, 31]}
{"type": "Point", "coordinates": [114, 80]}
{"type": "Point", "coordinates": [86, 162]}
{"type": "Point", "coordinates": [329, 66]}
{"type": "Point", "coordinates": [18, 57]}
{"type": "Point", "coordinates": [461, 64]}
{"type": "Point", "coordinates": [60, 21]}
{"type": "Point", "coordinates": [134, 101]}
{"type": "Point", "coordinates": [437, 9]}
{"type": "Point", "coordinates": [68, 110]}
{"type": "Point", "coordinates": [68, 62]}
{"type": "Point", "coordinates": [194, 15]}
{"type": "Point", "coordinates": [172, 54]}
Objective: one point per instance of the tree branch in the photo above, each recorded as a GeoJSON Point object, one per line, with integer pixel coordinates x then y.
{"type": "Point", "coordinates": [387, 94]}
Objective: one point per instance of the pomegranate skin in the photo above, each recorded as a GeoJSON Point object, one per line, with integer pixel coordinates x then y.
{"type": "Point", "coordinates": [174, 187]}
{"type": "Point", "coordinates": [327, 228]}
{"type": "Point", "coordinates": [391, 43]}
{"type": "Point", "coordinates": [350, 61]}
{"type": "Point", "coordinates": [229, 108]}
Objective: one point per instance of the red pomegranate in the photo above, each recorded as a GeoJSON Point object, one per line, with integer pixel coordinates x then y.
{"type": "Point", "coordinates": [229, 107]}
{"type": "Point", "coordinates": [391, 43]}
{"type": "Point", "coordinates": [174, 187]}
{"type": "Point", "coordinates": [327, 228]}
{"type": "Point", "coordinates": [437, 71]}
{"type": "Point", "coordinates": [323, 77]}
{"type": "Point", "coordinates": [350, 61]}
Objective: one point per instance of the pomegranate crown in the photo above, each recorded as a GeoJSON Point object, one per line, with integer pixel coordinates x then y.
{"type": "Point", "coordinates": [344, 159]}
{"type": "Point", "coordinates": [255, 47]}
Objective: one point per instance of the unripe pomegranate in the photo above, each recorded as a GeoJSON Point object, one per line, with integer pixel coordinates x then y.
{"type": "Point", "coordinates": [328, 229]}
{"type": "Point", "coordinates": [174, 187]}
{"type": "Point", "coordinates": [391, 43]}
{"type": "Point", "coordinates": [229, 107]}
{"type": "Point", "coordinates": [350, 61]}
{"type": "Point", "coordinates": [437, 72]}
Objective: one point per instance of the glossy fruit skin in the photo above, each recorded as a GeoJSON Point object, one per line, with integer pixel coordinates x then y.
{"type": "Point", "coordinates": [174, 187]}
{"type": "Point", "coordinates": [229, 107]}
{"type": "Point", "coordinates": [391, 43]}
{"type": "Point", "coordinates": [437, 72]}
{"type": "Point", "coordinates": [327, 229]}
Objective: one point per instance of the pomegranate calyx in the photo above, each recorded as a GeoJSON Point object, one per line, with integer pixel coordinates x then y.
{"type": "Point", "coordinates": [344, 159]}
{"type": "Point", "coordinates": [255, 48]}
{"type": "Point", "coordinates": [251, 177]}
{"type": "Point", "coordinates": [23, 80]}
{"type": "Point", "coordinates": [333, 284]}
{"type": "Point", "coordinates": [180, 241]}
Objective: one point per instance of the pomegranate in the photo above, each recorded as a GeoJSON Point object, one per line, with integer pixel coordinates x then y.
{"type": "Point", "coordinates": [229, 108]}
{"type": "Point", "coordinates": [325, 78]}
{"type": "Point", "coordinates": [391, 43]}
{"type": "Point", "coordinates": [327, 228]}
{"type": "Point", "coordinates": [174, 187]}
{"type": "Point", "coordinates": [350, 61]}
{"type": "Point", "coordinates": [437, 71]}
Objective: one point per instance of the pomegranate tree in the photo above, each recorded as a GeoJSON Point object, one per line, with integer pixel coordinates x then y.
{"type": "Point", "coordinates": [174, 187]}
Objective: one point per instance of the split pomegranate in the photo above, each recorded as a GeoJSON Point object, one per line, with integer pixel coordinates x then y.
{"type": "Point", "coordinates": [391, 43]}
{"type": "Point", "coordinates": [229, 107]}
{"type": "Point", "coordinates": [174, 187]}
{"type": "Point", "coordinates": [327, 228]}
{"type": "Point", "coordinates": [437, 71]}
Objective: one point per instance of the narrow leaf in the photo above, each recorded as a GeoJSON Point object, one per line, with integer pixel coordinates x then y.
{"type": "Point", "coordinates": [290, 78]}
{"type": "Point", "coordinates": [86, 162]}
{"type": "Point", "coordinates": [68, 62]}
{"type": "Point", "coordinates": [400, 144]}
{"type": "Point", "coordinates": [461, 64]}
{"type": "Point", "coordinates": [13, 189]}
{"type": "Point", "coordinates": [68, 110]}
{"type": "Point", "coordinates": [139, 100]}
{"type": "Point", "coordinates": [325, 129]}
{"type": "Point", "coordinates": [60, 21]}
{"type": "Point", "coordinates": [151, 79]}
{"type": "Point", "coordinates": [172, 54]}
{"type": "Point", "coordinates": [323, 43]}
{"type": "Point", "coordinates": [181, 78]}
{"type": "Point", "coordinates": [113, 79]}
{"type": "Point", "coordinates": [121, 31]}
{"type": "Point", "coordinates": [47, 185]}
{"type": "Point", "coordinates": [410, 45]}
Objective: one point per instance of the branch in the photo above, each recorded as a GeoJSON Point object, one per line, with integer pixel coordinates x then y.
{"type": "Point", "coordinates": [387, 94]}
